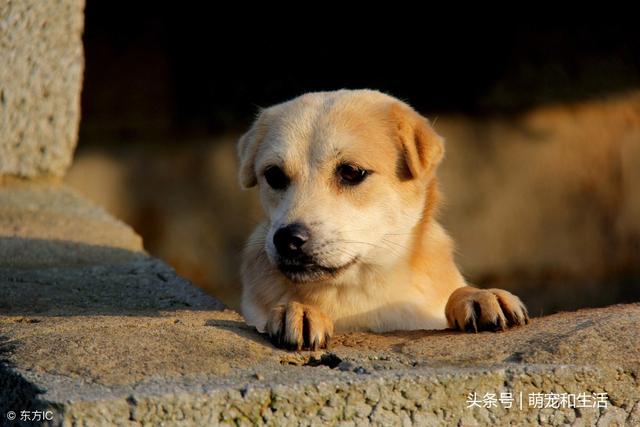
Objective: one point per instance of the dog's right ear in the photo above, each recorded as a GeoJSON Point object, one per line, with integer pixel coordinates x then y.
{"type": "Point", "coordinates": [247, 150]}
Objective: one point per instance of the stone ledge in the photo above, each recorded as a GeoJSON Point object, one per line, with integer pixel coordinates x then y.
{"type": "Point", "coordinates": [47, 224]}
{"type": "Point", "coordinates": [203, 366]}
{"type": "Point", "coordinates": [120, 339]}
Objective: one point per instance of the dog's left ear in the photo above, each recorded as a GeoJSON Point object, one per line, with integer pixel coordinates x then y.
{"type": "Point", "coordinates": [247, 150]}
{"type": "Point", "coordinates": [422, 148]}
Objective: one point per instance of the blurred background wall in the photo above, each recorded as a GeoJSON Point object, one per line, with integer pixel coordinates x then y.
{"type": "Point", "coordinates": [542, 125]}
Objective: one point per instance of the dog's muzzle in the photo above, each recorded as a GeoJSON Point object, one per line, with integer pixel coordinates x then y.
{"type": "Point", "coordinates": [294, 261]}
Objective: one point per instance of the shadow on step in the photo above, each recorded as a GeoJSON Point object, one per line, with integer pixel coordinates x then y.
{"type": "Point", "coordinates": [65, 278]}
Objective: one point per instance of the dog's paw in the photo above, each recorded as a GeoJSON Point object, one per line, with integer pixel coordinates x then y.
{"type": "Point", "coordinates": [472, 310]}
{"type": "Point", "coordinates": [296, 326]}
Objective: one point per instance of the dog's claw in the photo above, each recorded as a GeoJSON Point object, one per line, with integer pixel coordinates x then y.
{"type": "Point", "coordinates": [327, 341]}
{"type": "Point", "coordinates": [485, 310]}
{"type": "Point", "coordinates": [470, 325]}
{"type": "Point", "coordinates": [296, 327]}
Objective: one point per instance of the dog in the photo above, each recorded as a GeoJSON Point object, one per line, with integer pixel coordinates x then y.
{"type": "Point", "coordinates": [347, 180]}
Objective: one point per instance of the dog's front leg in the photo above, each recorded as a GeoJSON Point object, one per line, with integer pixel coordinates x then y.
{"type": "Point", "coordinates": [297, 326]}
{"type": "Point", "coordinates": [474, 310]}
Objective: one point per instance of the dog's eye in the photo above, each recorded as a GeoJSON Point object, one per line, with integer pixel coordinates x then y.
{"type": "Point", "coordinates": [276, 178]}
{"type": "Point", "coordinates": [351, 175]}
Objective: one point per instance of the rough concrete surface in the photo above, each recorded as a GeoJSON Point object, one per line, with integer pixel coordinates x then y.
{"type": "Point", "coordinates": [197, 367]}
{"type": "Point", "coordinates": [48, 224]}
{"type": "Point", "coordinates": [60, 255]}
{"type": "Point", "coordinates": [119, 339]}
{"type": "Point", "coordinates": [40, 80]}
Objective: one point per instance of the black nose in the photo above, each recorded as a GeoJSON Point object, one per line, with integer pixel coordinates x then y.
{"type": "Point", "coordinates": [290, 239]}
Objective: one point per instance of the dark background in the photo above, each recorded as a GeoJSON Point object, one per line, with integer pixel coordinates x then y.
{"type": "Point", "coordinates": [548, 112]}
{"type": "Point", "coordinates": [154, 71]}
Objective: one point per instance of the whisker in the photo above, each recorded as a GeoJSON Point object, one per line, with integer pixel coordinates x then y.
{"type": "Point", "coordinates": [346, 252]}
{"type": "Point", "coordinates": [395, 243]}
{"type": "Point", "coordinates": [386, 247]}
{"type": "Point", "coordinates": [360, 243]}
{"type": "Point", "coordinates": [392, 249]}
{"type": "Point", "coordinates": [253, 244]}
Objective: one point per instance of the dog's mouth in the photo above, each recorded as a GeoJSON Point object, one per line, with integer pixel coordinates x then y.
{"type": "Point", "coordinates": [302, 271]}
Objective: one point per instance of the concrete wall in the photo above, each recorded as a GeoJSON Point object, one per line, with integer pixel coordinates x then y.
{"type": "Point", "coordinates": [40, 82]}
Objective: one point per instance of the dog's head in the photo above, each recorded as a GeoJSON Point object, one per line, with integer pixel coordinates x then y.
{"type": "Point", "coordinates": [342, 178]}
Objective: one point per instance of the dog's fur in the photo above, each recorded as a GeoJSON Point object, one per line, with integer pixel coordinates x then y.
{"type": "Point", "coordinates": [384, 263]}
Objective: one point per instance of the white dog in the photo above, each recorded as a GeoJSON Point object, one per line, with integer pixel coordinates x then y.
{"type": "Point", "coordinates": [347, 180]}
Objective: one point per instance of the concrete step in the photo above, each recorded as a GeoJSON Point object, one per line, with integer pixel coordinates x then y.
{"type": "Point", "coordinates": [97, 332]}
